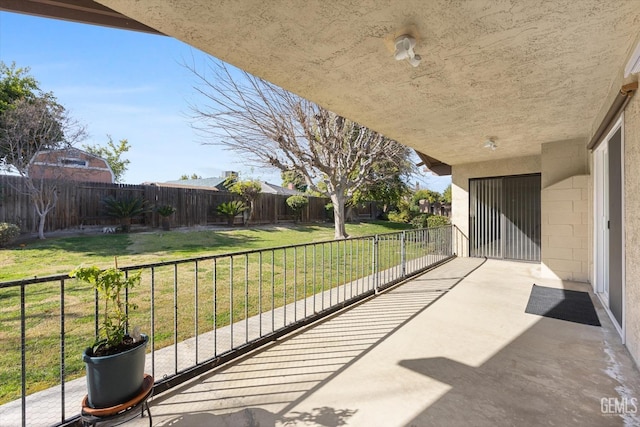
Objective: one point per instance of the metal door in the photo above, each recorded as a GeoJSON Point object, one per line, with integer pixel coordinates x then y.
{"type": "Point", "coordinates": [504, 217]}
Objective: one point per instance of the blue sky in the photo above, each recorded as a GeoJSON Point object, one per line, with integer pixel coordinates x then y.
{"type": "Point", "coordinates": [128, 85]}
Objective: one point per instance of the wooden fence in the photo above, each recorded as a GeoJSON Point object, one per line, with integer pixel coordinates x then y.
{"type": "Point", "coordinates": [80, 205]}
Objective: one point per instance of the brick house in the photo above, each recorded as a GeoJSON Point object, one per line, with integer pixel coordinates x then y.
{"type": "Point", "coordinates": [70, 164]}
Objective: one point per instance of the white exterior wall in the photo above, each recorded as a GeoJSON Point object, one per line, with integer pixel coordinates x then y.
{"type": "Point", "coordinates": [631, 230]}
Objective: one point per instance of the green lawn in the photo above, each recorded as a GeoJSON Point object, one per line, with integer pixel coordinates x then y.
{"type": "Point", "coordinates": [61, 255]}
{"type": "Point", "coordinates": [286, 275]}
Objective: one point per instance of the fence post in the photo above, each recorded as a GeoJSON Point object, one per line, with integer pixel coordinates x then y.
{"type": "Point", "coordinates": [374, 263]}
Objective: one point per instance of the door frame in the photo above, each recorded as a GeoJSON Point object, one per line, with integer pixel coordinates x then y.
{"type": "Point", "coordinates": [600, 218]}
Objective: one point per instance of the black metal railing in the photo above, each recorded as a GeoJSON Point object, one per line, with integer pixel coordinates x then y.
{"type": "Point", "coordinates": [198, 312]}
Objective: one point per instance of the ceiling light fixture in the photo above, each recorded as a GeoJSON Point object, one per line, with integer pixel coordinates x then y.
{"type": "Point", "coordinates": [490, 143]}
{"type": "Point", "coordinates": [404, 50]}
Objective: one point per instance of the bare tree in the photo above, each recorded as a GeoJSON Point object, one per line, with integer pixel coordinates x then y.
{"type": "Point", "coordinates": [27, 127]}
{"type": "Point", "coordinates": [273, 127]}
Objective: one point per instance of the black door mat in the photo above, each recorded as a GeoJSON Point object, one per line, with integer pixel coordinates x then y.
{"type": "Point", "coordinates": [563, 304]}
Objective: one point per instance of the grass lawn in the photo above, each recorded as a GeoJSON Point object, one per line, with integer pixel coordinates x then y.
{"type": "Point", "coordinates": [283, 273]}
{"type": "Point", "coordinates": [59, 255]}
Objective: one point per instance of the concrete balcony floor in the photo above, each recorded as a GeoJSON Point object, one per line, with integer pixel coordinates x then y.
{"type": "Point", "coordinates": [451, 347]}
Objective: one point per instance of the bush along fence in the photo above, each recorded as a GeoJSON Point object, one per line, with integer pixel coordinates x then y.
{"type": "Point", "coordinates": [198, 312]}
{"type": "Point", "coordinates": [81, 205]}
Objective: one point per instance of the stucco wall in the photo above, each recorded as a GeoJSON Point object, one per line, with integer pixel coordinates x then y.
{"type": "Point", "coordinates": [563, 159]}
{"type": "Point", "coordinates": [632, 226]}
{"type": "Point", "coordinates": [460, 175]}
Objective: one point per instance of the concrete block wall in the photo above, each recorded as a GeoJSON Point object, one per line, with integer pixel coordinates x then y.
{"type": "Point", "coordinates": [565, 213]}
{"type": "Point", "coordinates": [565, 229]}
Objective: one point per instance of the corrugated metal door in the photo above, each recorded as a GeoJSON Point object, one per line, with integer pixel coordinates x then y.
{"type": "Point", "coordinates": [504, 217]}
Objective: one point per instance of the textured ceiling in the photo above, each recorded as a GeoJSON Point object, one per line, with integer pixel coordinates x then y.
{"type": "Point", "coordinates": [523, 72]}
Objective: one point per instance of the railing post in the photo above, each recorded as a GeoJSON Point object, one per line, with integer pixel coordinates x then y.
{"type": "Point", "coordinates": [62, 353]}
{"type": "Point", "coordinates": [374, 263]}
{"type": "Point", "coordinates": [23, 356]}
{"type": "Point", "coordinates": [403, 254]}
{"type": "Point", "coordinates": [452, 245]}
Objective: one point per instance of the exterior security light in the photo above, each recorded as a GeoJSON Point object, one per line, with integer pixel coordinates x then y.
{"type": "Point", "coordinates": [404, 50]}
{"type": "Point", "coordinates": [491, 144]}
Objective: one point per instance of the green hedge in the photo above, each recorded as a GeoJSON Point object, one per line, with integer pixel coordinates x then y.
{"type": "Point", "coordinates": [8, 233]}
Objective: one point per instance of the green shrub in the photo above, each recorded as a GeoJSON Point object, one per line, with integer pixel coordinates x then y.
{"type": "Point", "coordinates": [297, 203]}
{"type": "Point", "coordinates": [420, 221]}
{"type": "Point", "coordinates": [427, 220]}
{"type": "Point", "coordinates": [165, 210]}
{"type": "Point", "coordinates": [125, 209]}
{"type": "Point", "coordinates": [231, 209]}
{"type": "Point", "coordinates": [402, 216]}
{"type": "Point", "coordinates": [437, 221]}
{"type": "Point", "coordinates": [328, 208]}
{"type": "Point", "coordinates": [8, 233]}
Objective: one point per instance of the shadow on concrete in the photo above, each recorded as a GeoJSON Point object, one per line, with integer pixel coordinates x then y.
{"type": "Point", "coordinates": [555, 373]}
{"type": "Point", "coordinates": [284, 375]}
{"type": "Point", "coordinates": [258, 417]}
{"type": "Point", "coordinates": [249, 417]}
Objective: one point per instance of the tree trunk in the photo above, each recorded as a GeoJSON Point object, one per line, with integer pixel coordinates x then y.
{"type": "Point", "coordinates": [252, 209]}
{"type": "Point", "coordinates": [338, 201]}
{"type": "Point", "coordinates": [41, 222]}
{"type": "Point", "coordinates": [125, 224]}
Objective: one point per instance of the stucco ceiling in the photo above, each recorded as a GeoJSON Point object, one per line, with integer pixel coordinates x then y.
{"type": "Point", "coordinates": [524, 72]}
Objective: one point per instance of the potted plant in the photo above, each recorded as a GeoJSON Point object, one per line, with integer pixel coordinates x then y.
{"type": "Point", "coordinates": [115, 361]}
{"type": "Point", "coordinates": [125, 209]}
{"type": "Point", "coordinates": [165, 211]}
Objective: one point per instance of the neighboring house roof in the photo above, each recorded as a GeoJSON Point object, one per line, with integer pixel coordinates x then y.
{"type": "Point", "coordinates": [276, 189]}
{"type": "Point", "coordinates": [218, 184]}
{"type": "Point", "coordinates": [181, 184]}
{"type": "Point", "coordinates": [209, 183]}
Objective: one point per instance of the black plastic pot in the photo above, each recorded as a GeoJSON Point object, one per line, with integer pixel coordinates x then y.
{"type": "Point", "coordinates": [115, 379]}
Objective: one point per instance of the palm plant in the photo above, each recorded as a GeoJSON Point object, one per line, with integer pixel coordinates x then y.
{"type": "Point", "coordinates": [125, 209]}
{"type": "Point", "coordinates": [231, 209]}
{"type": "Point", "coordinates": [165, 211]}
